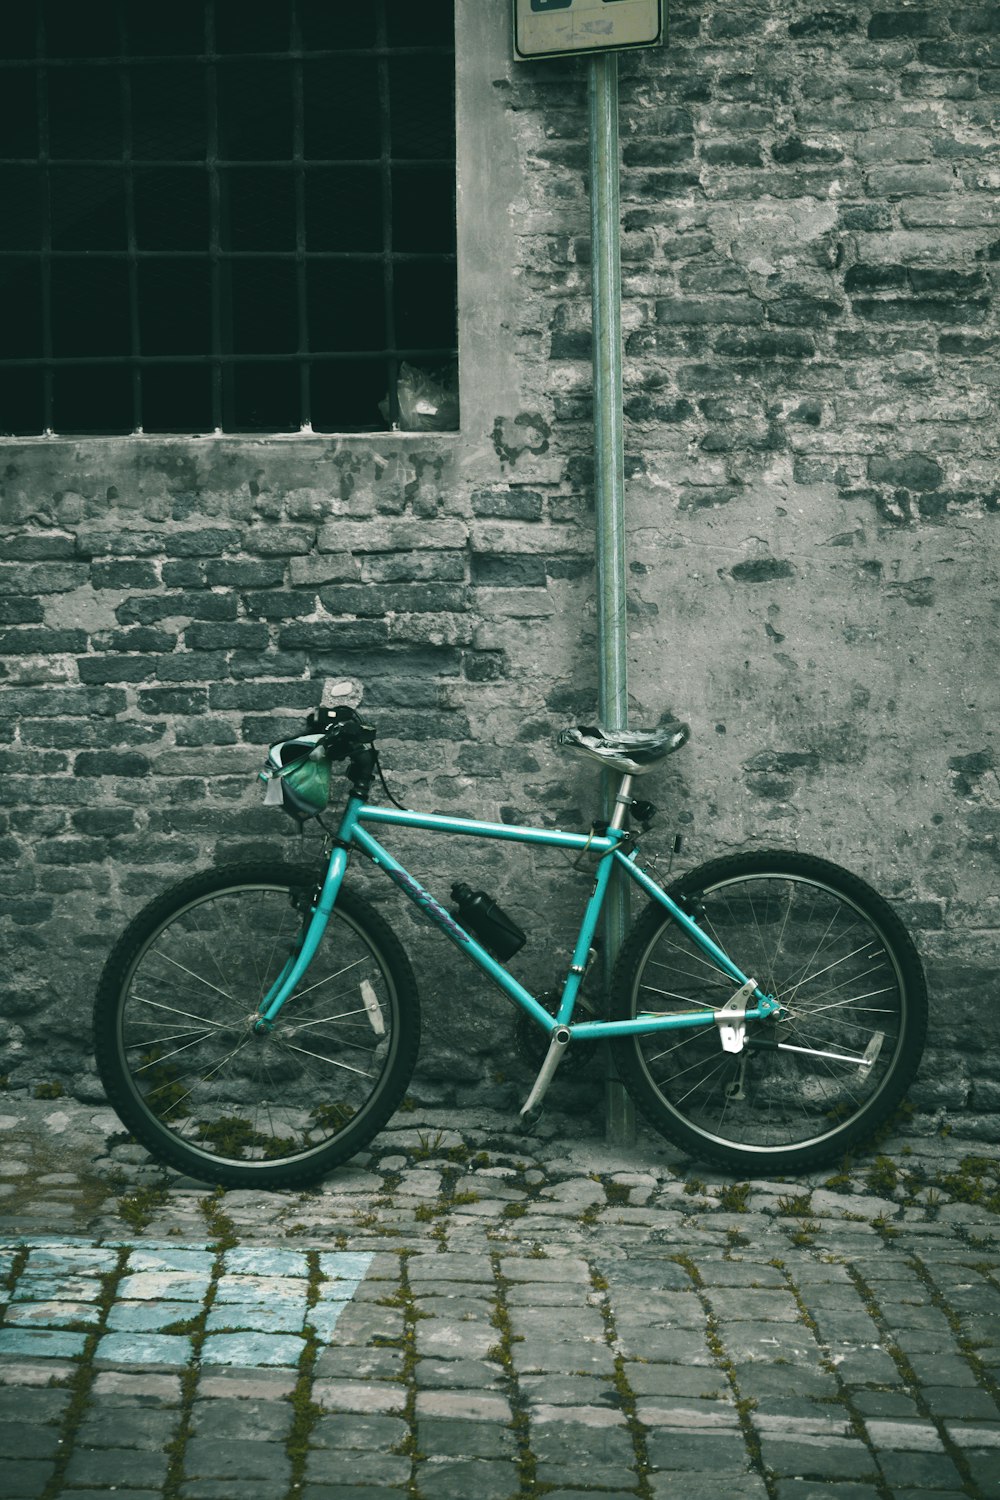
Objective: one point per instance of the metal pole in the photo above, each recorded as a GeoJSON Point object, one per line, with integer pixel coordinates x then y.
{"type": "Point", "coordinates": [609, 486]}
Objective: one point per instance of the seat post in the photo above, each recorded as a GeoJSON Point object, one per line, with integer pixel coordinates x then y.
{"type": "Point", "coordinates": [623, 802]}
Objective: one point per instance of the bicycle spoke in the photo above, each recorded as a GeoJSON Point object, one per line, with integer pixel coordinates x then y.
{"type": "Point", "coordinates": [310, 987]}
{"type": "Point", "coordinates": [157, 1062]}
{"type": "Point", "coordinates": [192, 975]}
{"type": "Point", "coordinates": [176, 1011]}
{"type": "Point", "coordinates": [333, 1062]}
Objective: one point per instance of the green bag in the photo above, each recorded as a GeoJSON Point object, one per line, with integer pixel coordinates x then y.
{"type": "Point", "coordinates": [297, 774]}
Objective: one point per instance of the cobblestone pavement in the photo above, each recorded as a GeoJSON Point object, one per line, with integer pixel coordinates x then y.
{"type": "Point", "coordinates": [465, 1313]}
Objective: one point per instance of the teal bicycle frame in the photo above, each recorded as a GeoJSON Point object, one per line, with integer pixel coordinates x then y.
{"type": "Point", "coordinates": [614, 850]}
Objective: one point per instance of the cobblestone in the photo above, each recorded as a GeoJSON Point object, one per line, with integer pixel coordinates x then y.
{"type": "Point", "coordinates": [561, 1354]}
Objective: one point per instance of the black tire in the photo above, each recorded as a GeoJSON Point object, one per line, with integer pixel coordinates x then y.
{"type": "Point", "coordinates": [821, 942]}
{"type": "Point", "coordinates": [190, 1077]}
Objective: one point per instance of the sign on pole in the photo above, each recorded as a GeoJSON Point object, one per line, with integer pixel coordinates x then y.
{"type": "Point", "coordinates": [553, 28]}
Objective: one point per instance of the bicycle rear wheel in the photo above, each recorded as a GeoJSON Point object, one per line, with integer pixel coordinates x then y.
{"type": "Point", "coordinates": [193, 1080]}
{"type": "Point", "coordinates": [804, 1089]}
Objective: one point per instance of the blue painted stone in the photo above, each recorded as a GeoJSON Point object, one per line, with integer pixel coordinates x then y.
{"type": "Point", "coordinates": [41, 1342]}
{"type": "Point", "coordinates": [261, 1289]}
{"type": "Point", "coordinates": [52, 1314]}
{"type": "Point", "coordinates": [70, 1260]}
{"type": "Point", "coordinates": [251, 1349]}
{"type": "Point", "coordinates": [323, 1318]}
{"type": "Point", "coordinates": [167, 1245]}
{"type": "Point", "coordinates": [172, 1259]}
{"type": "Point", "coordinates": [281, 1317]}
{"type": "Point", "coordinates": [56, 1289]}
{"type": "Point", "coordinates": [179, 1286]}
{"type": "Point", "coordinates": [25, 1242]}
{"type": "Point", "coordinates": [147, 1317]}
{"type": "Point", "coordinates": [261, 1261]}
{"type": "Point", "coordinates": [345, 1265]}
{"type": "Point", "coordinates": [144, 1349]}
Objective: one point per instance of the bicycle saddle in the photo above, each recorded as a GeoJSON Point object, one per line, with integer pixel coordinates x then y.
{"type": "Point", "coordinates": [628, 750]}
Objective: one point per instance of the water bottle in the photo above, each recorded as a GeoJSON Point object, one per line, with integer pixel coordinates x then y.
{"type": "Point", "coordinates": [480, 914]}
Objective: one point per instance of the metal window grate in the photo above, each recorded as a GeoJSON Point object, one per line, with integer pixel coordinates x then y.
{"type": "Point", "coordinates": [221, 217]}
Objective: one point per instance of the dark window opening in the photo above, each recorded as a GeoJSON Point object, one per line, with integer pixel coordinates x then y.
{"type": "Point", "coordinates": [221, 217]}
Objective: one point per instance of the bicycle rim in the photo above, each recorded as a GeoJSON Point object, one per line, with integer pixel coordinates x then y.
{"type": "Point", "coordinates": [211, 1089]}
{"type": "Point", "coordinates": [806, 1086]}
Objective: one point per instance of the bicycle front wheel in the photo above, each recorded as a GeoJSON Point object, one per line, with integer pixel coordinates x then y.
{"type": "Point", "coordinates": [184, 1066]}
{"type": "Point", "coordinates": [804, 1089]}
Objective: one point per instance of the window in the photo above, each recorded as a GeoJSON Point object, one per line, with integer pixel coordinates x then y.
{"type": "Point", "coordinates": [221, 216]}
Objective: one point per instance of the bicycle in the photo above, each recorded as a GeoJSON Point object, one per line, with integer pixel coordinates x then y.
{"type": "Point", "coordinates": [258, 1024]}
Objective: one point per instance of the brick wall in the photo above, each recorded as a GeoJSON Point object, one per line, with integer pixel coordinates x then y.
{"type": "Point", "coordinates": [810, 246]}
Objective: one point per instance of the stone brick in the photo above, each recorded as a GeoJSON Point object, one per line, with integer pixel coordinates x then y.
{"type": "Point", "coordinates": [173, 700]}
{"type": "Point", "coordinates": [110, 541]}
{"type": "Point", "coordinates": [279, 541]}
{"type": "Point", "coordinates": [649, 407]}
{"type": "Point", "coordinates": [878, 277]}
{"type": "Point", "coordinates": [928, 280]}
{"type": "Point", "coordinates": [327, 567]}
{"type": "Point", "coordinates": [794, 149]}
{"type": "Point", "coordinates": [22, 610]}
{"type": "Point", "coordinates": [766, 345]}
{"type": "Point", "coordinates": [29, 640]}
{"type": "Point", "coordinates": [38, 547]}
{"type": "Point", "coordinates": [64, 701]}
{"type": "Point", "coordinates": [762, 570]}
{"type": "Point", "coordinates": [124, 575]}
{"type": "Point", "coordinates": [886, 25]}
{"type": "Point", "coordinates": [192, 666]}
{"type": "Point", "coordinates": [199, 606]}
{"type": "Point", "coordinates": [374, 600]}
{"type": "Point", "coordinates": [922, 310]}
{"type": "Point", "coordinates": [42, 577]}
{"type": "Point", "coordinates": [212, 637]}
{"type": "Point", "coordinates": [912, 472]}
{"type": "Point", "coordinates": [514, 505]}
{"type": "Point", "coordinates": [908, 180]}
{"type": "Point", "coordinates": [136, 638]}
{"type": "Point", "coordinates": [279, 604]}
{"type": "Point", "coordinates": [261, 695]}
{"type": "Point", "coordinates": [493, 570]}
{"type": "Point", "coordinates": [244, 573]}
{"type": "Point", "coordinates": [111, 764]}
{"type": "Point", "coordinates": [741, 310]}
{"type": "Point", "coordinates": [415, 567]}
{"type": "Point", "coordinates": [183, 575]}
{"type": "Point", "coordinates": [732, 154]}
{"type": "Point", "coordinates": [106, 668]}
{"type": "Point", "coordinates": [110, 821]}
{"type": "Point", "coordinates": [204, 541]}
{"type": "Point", "coordinates": [333, 635]}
